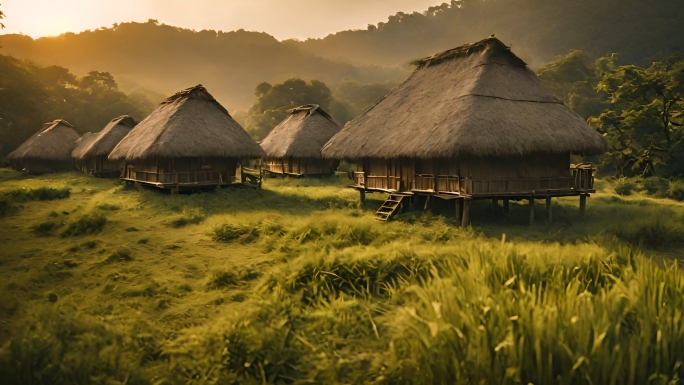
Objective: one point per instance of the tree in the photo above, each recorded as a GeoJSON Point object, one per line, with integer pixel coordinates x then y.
{"type": "Point", "coordinates": [2, 16]}
{"type": "Point", "coordinates": [274, 101]}
{"type": "Point", "coordinates": [32, 95]}
{"type": "Point", "coordinates": [573, 78]}
{"type": "Point", "coordinates": [643, 121]}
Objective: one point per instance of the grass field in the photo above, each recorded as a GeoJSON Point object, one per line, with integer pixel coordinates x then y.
{"type": "Point", "coordinates": [295, 283]}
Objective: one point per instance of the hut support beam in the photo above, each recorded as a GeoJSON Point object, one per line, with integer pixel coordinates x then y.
{"type": "Point", "coordinates": [506, 205]}
{"type": "Point", "coordinates": [549, 212]}
{"type": "Point", "coordinates": [583, 203]}
{"type": "Point", "coordinates": [459, 209]}
{"type": "Point", "coordinates": [465, 220]}
{"type": "Point", "coordinates": [531, 211]}
{"type": "Point", "coordinates": [427, 203]}
{"type": "Point", "coordinates": [362, 197]}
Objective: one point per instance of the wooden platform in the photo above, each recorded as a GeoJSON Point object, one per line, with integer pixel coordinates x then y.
{"type": "Point", "coordinates": [190, 186]}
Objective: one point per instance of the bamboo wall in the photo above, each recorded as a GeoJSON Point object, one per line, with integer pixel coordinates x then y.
{"type": "Point", "coordinates": [470, 175]}
{"type": "Point", "coordinates": [182, 170]}
{"type": "Point", "coordinates": [302, 166]}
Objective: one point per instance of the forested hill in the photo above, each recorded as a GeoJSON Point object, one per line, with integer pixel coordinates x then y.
{"type": "Point", "coordinates": [168, 59]}
{"type": "Point", "coordinates": [639, 31]}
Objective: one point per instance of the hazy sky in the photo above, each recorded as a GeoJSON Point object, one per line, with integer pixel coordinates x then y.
{"type": "Point", "coordinates": [280, 18]}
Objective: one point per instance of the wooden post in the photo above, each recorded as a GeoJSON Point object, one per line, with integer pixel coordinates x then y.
{"type": "Point", "coordinates": [505, 205]}
{"type": "Point", "coordinates": [465, 220]}
{"type": "Point", "coordinates": [427, 203]}
{"type": "Point", "coordinates": [549, 213]}
{"type": "Point", "coordinates": [362, 196]}
{"type": "Point", "coordinates": [583, 203]}
{"type": "Point", "coordinates": [459, 209]}
{"type": "Point", "coordinates": [531, 210]}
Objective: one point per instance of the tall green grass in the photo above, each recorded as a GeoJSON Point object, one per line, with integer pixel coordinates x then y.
{"type": "Point", "coordinates": [297, 283]}
{"type": "Point", "coordinates": [469, 313]}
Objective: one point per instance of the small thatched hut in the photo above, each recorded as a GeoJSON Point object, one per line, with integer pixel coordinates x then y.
{"type": "Point", "coordinates": [48, 150]}
{"type": "Point", "coordinates": [470, 123]}
{"type": "Point", "coordinates": [92, 149]}
{"type": "Point", "coordinates": [188, 141]}
{"type": "Point", "coordinates": [294, 145]}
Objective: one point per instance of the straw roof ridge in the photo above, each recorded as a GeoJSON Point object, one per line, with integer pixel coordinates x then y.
{"type": "Point", "coordinates": [469, 49]}
{"type": "Point", "coordinates": [302, 134]}
{"type": "Point", "coordinates": [103, 142]}
{"type": "Point", "coordinates": [54, 141]}
{"type": "Point", "coordinates": [479, 99]}
{"type": "Point", "coordinates": [190, 123]}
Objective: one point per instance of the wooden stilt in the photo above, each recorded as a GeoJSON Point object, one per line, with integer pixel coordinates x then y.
{"type": "Point", "coordinates": [549, 213]}
{"type": "Point", "coordinates": [459, 209]}
{"type": "Point", "coordinates": [427, 203]}
{"type": "Point", "coordinates": [506, 205]}
{"type": "Point", "coordinates": [465, 220]}
{"type": "Point", "coordinates": [583, 203]}
{"type": "Point", "coordinates": [362, 197]}
{"type": "Point", "coordinates": [531, 211]}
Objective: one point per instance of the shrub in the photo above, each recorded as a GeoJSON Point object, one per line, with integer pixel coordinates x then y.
{"type": "Point", "coordinates": [40, 194]}
{"type": "Point", "coordinates": [233, 232]}
{"type": "Point", "coordinates": [44, 228]}
{"type": "Point", "coordinates": [655, 186]}
{"type": "Point", "coordinates": [188, 217]}
{"type": "Point", "coordinates": [120, 255]}
{"type": "Point", "coordinates": [85, 225]}
{"type": "Point", "coordinates": [653, 232]}
{"type": "Point", "coordinates": [675, 190]}
{"type": "Point", "coordinates": [6, 207]}
{"type": "Point", "coordinates": [624, 186]}
{"type": "Point", "coordinates": [108, 207]}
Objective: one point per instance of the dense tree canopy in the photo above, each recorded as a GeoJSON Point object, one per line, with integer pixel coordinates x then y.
{"type": "Point", "coordinates": [31, 95]}
{"type": "Point", "coordinates": [640, 31]}
{"type": "Point", "coordinates": [638, 109]}
{"type": "Point", "coordinates": [168, 59]}
{"type": "Point", "coordinates": [273, 101]}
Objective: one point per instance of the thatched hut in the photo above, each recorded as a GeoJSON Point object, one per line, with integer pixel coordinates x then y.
{"type": "Point", "coordinates": [470, 123]}
{"type": "Point", "coordinates": [92, 149]}
{"type": "Point", "coordinates": [48, 150]}
{"type": "Point", "coordinates": [188, 141]}
{"type": "Point", "coordinates": [294, 146]}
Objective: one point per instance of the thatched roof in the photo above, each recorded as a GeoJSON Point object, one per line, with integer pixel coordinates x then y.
{"type": "Point", "coordinates": [190, 123]}
{"type": "Point", "coordinates": [302, 134]}
{"type": "Point", "coordinates": [55, 141]}
{"type": "Point", "coordinates": [478, 99]}
{"type": "Point", "coordinates": [103, 142]}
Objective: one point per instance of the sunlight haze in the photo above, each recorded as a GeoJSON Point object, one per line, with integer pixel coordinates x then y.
{"type": "Point", "coordinates": [299, 19]}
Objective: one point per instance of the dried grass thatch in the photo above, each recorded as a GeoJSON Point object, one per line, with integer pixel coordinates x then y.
{"type": "Point", "coordinates": [103, 142]}
{"type": "Point", "coordinates": [190, 123]}
{"type": "Point", "coordinates": [54, 142]}
{"type": "Point", "coordinates": [479, 99]}
{"type": "Point", "coordinates": [302, 134]}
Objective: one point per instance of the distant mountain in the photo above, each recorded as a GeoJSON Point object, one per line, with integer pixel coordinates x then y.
{"type": "Point", "coordinates": [167, 59]}
{"type": "Point", "coordinates": [639, 31]}
{"type": "Point", "coordinates": [231, 64]}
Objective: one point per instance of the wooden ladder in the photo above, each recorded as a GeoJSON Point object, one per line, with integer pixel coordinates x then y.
{"type": "Point", "coordinates": [389, 207]}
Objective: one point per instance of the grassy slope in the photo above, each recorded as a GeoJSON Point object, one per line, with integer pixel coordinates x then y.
{"type": "Point", "coordinates": [153, 285]}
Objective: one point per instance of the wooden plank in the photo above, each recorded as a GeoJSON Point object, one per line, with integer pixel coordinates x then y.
{"type": "Point", "coordinates": [465, 218]}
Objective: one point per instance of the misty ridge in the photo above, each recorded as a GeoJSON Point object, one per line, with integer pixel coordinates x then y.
{"type": "Point", "coordinates": [166, 58]}
{"type": "Point", "coordinates": [89, 77]}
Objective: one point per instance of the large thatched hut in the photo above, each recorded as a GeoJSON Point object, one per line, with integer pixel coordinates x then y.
{"type": "Point", "coordinates": [48, 150]}
{"type": "Point", "coordinates": [92, 149]}
{"type": "Point", "coordinates": [294, 146]}
{"type": "Point", "coordinates": [469, 123]}
{"type": "Point", "coordinates": [188, 141]}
